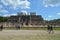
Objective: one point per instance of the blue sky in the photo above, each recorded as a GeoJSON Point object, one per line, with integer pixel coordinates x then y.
{"type": "Point", "coordinates": [49, 9]}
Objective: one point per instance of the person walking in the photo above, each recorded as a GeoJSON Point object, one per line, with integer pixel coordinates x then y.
{"type": "Point", "coordinates": [50, 29]}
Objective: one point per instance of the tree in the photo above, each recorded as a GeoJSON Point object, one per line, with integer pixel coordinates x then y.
{"type": "Point", "coordinates": [3, 19]}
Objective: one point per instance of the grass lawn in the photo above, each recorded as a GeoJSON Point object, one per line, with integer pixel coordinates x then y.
{"type": "Point", "coordinates": [30, 28]}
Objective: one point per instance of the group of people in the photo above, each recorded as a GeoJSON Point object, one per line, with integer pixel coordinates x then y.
{"type": "Point", "coordinates": [17, 26]}
{"type": "Point", "coordinates": [50, 29]}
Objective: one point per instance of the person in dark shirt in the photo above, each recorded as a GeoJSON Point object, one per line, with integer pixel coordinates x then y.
{"type": "Point", "coordinates": [17, 26]}
{"type": "Point", "coordinates": [1, 27]}
{"type": "Point", "coordinates": [50, 29]}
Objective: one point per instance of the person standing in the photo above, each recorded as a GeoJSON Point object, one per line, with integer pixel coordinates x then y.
{"type": "Point", "coordinates": [1, 27]}
{"type": "Point", "coordinates": [48, 28]}
{"type": "Point", "coordinates": [51, 29]}
{"type": "Point", "coordinates": [17, 26]}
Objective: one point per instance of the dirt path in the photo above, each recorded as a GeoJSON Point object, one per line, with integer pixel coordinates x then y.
{"type": "Point", "coordinates": [27, 34]}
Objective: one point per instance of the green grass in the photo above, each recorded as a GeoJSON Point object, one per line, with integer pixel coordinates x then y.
{"type": "Point", "coordinates": [30, 28]}
{"type": "Point", "coordinates": [57, 28]}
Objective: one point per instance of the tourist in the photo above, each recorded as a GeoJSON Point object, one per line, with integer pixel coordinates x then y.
{"type": "Point", "coordinates": [50, 29]}
{"type": "Point", "coordinates": [17, 26]}
{"type": "Point", "coordinates": [1, 27]}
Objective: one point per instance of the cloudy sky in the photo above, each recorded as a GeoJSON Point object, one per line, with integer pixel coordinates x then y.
{"type": "Point", "coordinates": [49, 9]}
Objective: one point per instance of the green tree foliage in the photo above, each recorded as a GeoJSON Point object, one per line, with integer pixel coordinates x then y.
{"type": "Point", "coordinates": [3, 19]}
{"type": "Point", "coordinates": [56, 20]}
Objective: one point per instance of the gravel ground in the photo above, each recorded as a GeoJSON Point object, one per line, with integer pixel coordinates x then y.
{"type": "Point", "coordinates": [29, 35]}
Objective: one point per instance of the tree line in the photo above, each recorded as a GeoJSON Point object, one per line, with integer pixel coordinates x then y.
{"type": "Point", "coordinates": [3, 19]}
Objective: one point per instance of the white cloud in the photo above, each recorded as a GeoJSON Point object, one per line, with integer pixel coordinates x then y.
{"type": "Point", "coordinates": [58, 13]}
{"type": "Point", "coordinates": [6, 15]}
{"type": "Point", "coordinates": [16, 4]}
{"type": "Point", "coordinates": [1, 6]}
{"type": "Point", "coordinates": [50, 16]}
{"type": "Point", "coordinates": [3, 11]}
{"type": "Point", "coordinates": [51, 3]}
{"type": "Point", "coordinates": [25, 12]}
{"type": "Point", "coordinates": [46, 5]}
{"type": "Point", "coordinates": [13, 14]}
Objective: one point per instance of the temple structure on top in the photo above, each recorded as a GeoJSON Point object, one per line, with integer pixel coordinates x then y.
{"type": "Point", "coordinates": [26, 18]}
